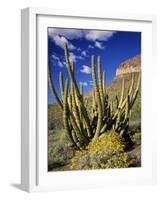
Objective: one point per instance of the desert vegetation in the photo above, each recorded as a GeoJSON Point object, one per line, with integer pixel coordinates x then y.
{"type": "Point", "coordinates": [97, 131]}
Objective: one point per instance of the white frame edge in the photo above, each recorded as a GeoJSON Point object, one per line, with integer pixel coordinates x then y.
{"type": "Point", "coordinates": [28, 99]}
{"type": "Point", "coordinates": [28, 85]}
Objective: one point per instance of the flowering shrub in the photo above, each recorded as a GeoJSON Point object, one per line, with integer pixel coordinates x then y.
{"type": "Point", "coordinates": [105, 152]}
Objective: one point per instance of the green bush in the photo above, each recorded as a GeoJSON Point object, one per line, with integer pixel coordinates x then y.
{"type": "Point", "coordinates": [136, 138]}
{"type": "Point", "coordinates": [59, 150]}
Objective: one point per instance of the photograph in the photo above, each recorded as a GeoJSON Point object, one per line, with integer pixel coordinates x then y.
{"type": "Point", "coordinates": [94, 99]}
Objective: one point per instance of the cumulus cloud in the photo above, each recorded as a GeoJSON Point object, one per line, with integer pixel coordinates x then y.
{"type": "Point", "coordinates": [91, 35]}
{"type": "Point", "coordinates": [84, 53]}
{"type": "Point", "coordinates": [83, 83]}
{"type": "Point", "coordinates": [73, 57]}
{"type": "Point", "coordinates": [61, 36]}
{"type": "Point", "coordinates": [90, 47]}
{"type": "Point", "coordinates": [85, 69]}
{"type": "Point", "coordinates": [90, 82]}
{"type": "Point", "coordinates": [99, 35]}
{"type": "Point", "coordinates": [60, 64]}
{"type": "Point", "coordinates": [59, 39]}
{"type": "Point", "coordinates": [66, 32]}
{"type": "Point", "coordinates": [55, 58]}
{"type": "Point", "coordinates": [99, 45]}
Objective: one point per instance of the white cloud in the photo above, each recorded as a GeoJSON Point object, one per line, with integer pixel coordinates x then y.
{"type": "Point", "coordinates": [54, 57]}
{"type": "Point", "coordinates": [62, 36]}
{"type": "Point", "coordinates": [90, 47]}
{"type": "Point", "coordinates": [68, 33]}
{"type": "Point", "coordinates": [57, 59]}
{"type": "Point", "coordinates": [99, 35]}
{"type": "Point", "coordinates": [84, 53]}
{"type": "Point", "coordinates": [60, 64]}
{"type": "Point", "coordinates": [61, 40]}
{"type": "Point", "coordinates": [90, 82]}
{"type": "Point", "coordinates": [73, 57]}
{"type": "Point", "coordinates": [91, 35]}
{"type": "Point", "coordinates": [85, 69]}
{"type": "Point", "coordinates": [99, 45]}
{"type": "Point", "coordinates": [83, 83]}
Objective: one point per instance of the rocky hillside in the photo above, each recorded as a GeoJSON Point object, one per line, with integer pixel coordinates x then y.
{"type": "Point", "coordinates": [129, 66]}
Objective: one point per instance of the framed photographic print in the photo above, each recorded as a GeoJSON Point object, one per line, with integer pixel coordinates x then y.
{"type": "Point", "coordinates": [86, 99]}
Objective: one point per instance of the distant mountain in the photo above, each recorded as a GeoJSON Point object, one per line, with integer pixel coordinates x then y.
{"type": "Point", "coordinates": [132, 65]}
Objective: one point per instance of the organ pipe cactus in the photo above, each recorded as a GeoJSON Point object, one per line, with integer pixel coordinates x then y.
{"type": "Point", "coordinates": [82, 124]}
{"type": "Point", "coordinates": [98, 97]}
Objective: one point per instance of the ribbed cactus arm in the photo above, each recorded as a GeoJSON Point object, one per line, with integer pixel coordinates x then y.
{"type": "Point", "coordinates": [100, 83]}
{"type": "Point", "coordinates": [129, 93]}
{"type": "Point", "coordinates": [104, 82]}
{"type": "Point", "coordinates": [79, 96]}
{"type": "Point", "coordinates": [93, 101]}
{"type": "Point", "coordinates": [81, 92]}
{"type": "Point", "coordinates": [122, 93]}
{"type": "Point", "coordinates": [136, 91]}
{"type": "Point", "coordinates": [61, 84]}
{"type": "Point", "coordinates": [70, 71]}
{"type": "Point", "coordinates": [76, 113]}
{"type": "Point", "coordinates": [122, 102]}
{"type": "Point", "coordinates": [81, 89]}
{"type": "Point", "coordinates": [132, 84]}
{"type": "Point", "coordinates": [138, 85]}
{"type": "Point", "coordinates": [134, 95]}
{"type": "Point", "coordinates": [53, 90]}
{"type": "Point", "coordinates": [66, 115]}
{"type": "Point", "coordinates": [75, 110]}
{"type": "Point", "coordinates": [127, 108]}
{"type": "Point", "coordinates": [98, 99]}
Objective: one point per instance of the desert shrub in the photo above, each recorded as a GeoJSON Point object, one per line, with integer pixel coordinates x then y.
{"type": "Point", "coordinates": [56, 152]}
{"type": "Point", "coordinates": [55, 121]}
{"type": "Point", "coordinates": [136, 138]}
{"type": "Point", "coordinates": [135, 125]}
{"type": "Point", "coordinates": [105, 152]}
{"type": "Point", "coordinates": [59, 150]}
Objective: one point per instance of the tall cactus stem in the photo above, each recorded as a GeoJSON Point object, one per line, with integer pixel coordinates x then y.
{"type": "Point", "coordinates": [52, 88]}
{"type": "Point", "coordinates": [103, 82]}
{"type": "Point", "coordinates": [84, 111]}
{"type": "Point", "coordinates": [65, 115]}
{"type": "Point", "coordinates": [122, 92]}
{"type": "Point", "coordinates": [98, 99]}
{"type": "Point", "coordinates": [61, 84]}
{"type": "Point", "coordinates": [100, 85]}
{"type": "Point", "coordinates": [81, 89]}
{"type": "Point", "coordinates": [70, 70]}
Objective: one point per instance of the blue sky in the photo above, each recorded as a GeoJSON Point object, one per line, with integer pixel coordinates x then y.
{"type": "Point", "coordinates": [114, 47]}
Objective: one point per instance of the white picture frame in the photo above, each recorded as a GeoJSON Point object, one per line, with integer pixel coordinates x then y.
{"type": "Point", "coordinates": [33, 174]}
